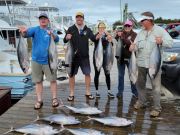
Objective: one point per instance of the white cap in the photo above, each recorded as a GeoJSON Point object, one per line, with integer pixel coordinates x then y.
{"type": "Point", "coordinates": [143, 17]}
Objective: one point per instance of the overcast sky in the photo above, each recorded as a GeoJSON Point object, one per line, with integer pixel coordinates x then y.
{"type": "Point", "coordinates": [110, 9]}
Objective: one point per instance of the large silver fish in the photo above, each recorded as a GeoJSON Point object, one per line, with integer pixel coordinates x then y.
{"type": "Point", "coordinates": [133, 68]}
{"type": "Point", "coordinates": [108, 57]}
{"type": "Point", "coordinates": [61, 119]}
{"type": "Point", "coordinates": [69, 58]}
{"type": "Point", "coordinates": [119, 48]}
{"type": "Point", "coordinates": [112, 121]}
{"type": "Point", "coordinates": [155, 62]}
{"type": "Point", "coordinates": [36, 129]}
{"type": "Point", "coordinates": [52, 55]}
{"type": "Point", "coordinates": [22, 54]}
{"type": "Point", "coordinates": [99, 55]}
{"type": "Point", "coordinates": [84, 131]}
{"type": "Point", "coordinates": [85, 110]}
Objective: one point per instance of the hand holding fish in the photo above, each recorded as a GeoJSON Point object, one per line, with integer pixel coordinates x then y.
{"type": "Point", "coordinates": [132, 46]}
{"type": "Point", "coordinates": [159, 40]}
{"type": "Point", "coordinates": [68, 36]}
{"type": "Point", "coordinates": [22, 29]}
{"type": "Point", "coordinates": [109, 38]}
{"type": "Point", "coordinates": [98, 36]}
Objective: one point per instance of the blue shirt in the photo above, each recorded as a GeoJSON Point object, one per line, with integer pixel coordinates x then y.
{"type": "Point", "coordinates": [40, 43]}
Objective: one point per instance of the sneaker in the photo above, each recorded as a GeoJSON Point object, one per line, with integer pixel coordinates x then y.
{"type": "Point", "coordinates": [119, 96]}
{"type": "Point", "coordinates": [138, 105]}
{"type": "Point", "coordinates": [110, 95]}
{"type": "Point", "coordinates": [98, 95]}
{"type": "Point", "coordinates": [155, 113]}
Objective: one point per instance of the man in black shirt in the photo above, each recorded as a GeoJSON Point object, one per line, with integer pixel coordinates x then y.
{"type": "Point", "coordinates": [79, 35]}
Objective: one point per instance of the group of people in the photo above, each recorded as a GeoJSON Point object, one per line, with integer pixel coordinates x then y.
{"type": "Point", "coordinates": [79, 35]}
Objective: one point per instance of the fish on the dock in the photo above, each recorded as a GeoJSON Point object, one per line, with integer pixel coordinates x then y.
{"type": "Point", "coordinates": [23, 55]}
{"type": "Point", "coordinates": [69, 58]}
{"type": "Point", "coordinates": [133, 68]}
{"type": "Point", "coordinates": [61, 119]}
{"type": "Point", "coordinates": [119, 48]}
{"type": "Point", "coordinates": [99, 55]}
{"type": "Point", "coordinates": [52, 56]}
{"type": "Point", "coordinates": [84, 131]}
{"type": "Point", "coordinates": [108, 57]}
{"type": "Point", "coordinates": [112, 121]}
{"type": "Point", "coordinates": [85, 110]}
{"type": "Point", "coordinates": [155, 62]}
{"type": "Point", "coordinates": [36, 129]}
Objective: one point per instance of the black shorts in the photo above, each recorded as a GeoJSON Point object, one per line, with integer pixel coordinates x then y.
{"type": "Point", "coordinates": [84, 64]}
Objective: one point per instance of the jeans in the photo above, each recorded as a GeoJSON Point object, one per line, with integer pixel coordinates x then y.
{"type": "Point", "coordinates": [121, 73]}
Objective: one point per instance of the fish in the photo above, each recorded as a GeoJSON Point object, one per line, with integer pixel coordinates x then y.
{"type": "Point", "coordinates": [99, 55]}
{"type": "Point", "coordinates": [133, 68]}
{"type": "Point", "coordinates": [108, 57]}
{"type": "Point", "coordinates": [84, 131]}
{"type": "Point", "coordinates": [85, 110]}
{"type": "Point", "coordinates": [155, 62]}
{"type": "Point", "coordinates": [61, 119]}
{"type": "Point", "coordinates": [23, 55]}
{"type": "Point", "coordinates": [52, 56]}
{"type": "Point", "coordinates": [69, 56]}
{"type": "Point", "coordinates": [36, 129]}
{"type": "Point", "coordinates": [119, 48]}
{"type": "Point", "coordinates": [112, 121]}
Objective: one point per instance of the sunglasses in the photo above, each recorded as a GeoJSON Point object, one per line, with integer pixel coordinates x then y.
{"type": "Point", "coordinates": [127, 26]}
{"type": "Point", "coordinates": [143, 20]}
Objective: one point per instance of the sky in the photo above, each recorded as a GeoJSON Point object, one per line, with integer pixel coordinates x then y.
{"type": "Point", "coordinates": [110, 9]}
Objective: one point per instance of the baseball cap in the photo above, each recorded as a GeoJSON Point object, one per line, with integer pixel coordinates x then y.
{"type": "Point", "coordinates": [43, 15]}
{"type": "Point", "coordinates": [80, 14]}
{"type": "Point", "coordinates": [143, 17]}
{"type": "Point", "coordinates": [128, 22]}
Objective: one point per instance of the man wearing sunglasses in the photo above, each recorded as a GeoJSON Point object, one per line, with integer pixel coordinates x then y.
{"type": "Point", "coordinates": [127, 36]}
{"type": "Point", "coordinates": [147, 39]}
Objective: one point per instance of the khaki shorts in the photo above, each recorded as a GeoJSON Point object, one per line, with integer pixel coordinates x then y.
{"type": "Point", "coordinates": [39, 70]}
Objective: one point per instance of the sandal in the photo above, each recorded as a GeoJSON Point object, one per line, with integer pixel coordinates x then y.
{"type": "Point", "coordinates": [155, 113]}
{"type": "Point", "coordinates": [55, 102]}
{"type": "Point", "coordinates": [70, 98]}
{"type": "Point", "coordinates": [90, 96]}
{"type": "Point", "coordinates": [38, 105]}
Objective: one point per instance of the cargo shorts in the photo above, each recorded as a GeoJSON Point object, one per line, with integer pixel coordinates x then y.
{"type": "Point", "coordinates": [39, 70]}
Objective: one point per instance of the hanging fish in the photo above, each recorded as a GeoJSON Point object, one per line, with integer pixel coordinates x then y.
{"type": "Point", "coordinates": [69, 58]}
{"type": "Point", "coordinates": [108, 57]}
{"type": "Point", "coordinates": [155, 62]}
{"type": "Point", "coordinates": [119, 48]}
{"type": "Point", "coordinates": [99, 55]}
{"type": "Point", "coordinates": [23, 55]}
{"type": "Point", "coordinates": [133, 68]}
{"type": "Point", "coordinates": [52, 55]}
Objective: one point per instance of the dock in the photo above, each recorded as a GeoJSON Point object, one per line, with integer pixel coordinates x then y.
{"type": "Point", "coordinates": [168, 123]}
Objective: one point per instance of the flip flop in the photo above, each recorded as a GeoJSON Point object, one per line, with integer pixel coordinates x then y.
{"type": "Point", "coordinates": [91, 97]}
{"type": "Point", "coordinates": [70, 98]}
{"type": "Point", "coordinates": [38, 105]}
{"type": "Point", "coordinates": [55, 102]}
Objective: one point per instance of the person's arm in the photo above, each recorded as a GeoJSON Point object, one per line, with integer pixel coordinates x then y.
{"type": "Point", "coordinates": [30, 32]}
{"type": "Point", "coordinates": [67, 34]}
{"type": "Point", "coordinates": [167, 40]}
{"type": "Point", "coordinates": [92, 36]}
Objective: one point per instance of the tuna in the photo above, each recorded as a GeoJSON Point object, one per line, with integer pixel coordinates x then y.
{"type": "Point", "coordinates": [23, 55]}
{"type": "Point", "coordinates": [99, 55]}
{"type": "Point", "coordinates": [112, 121]}
{"type": "Point", "coordinates": [133, 68]}
{"type": "Point", "coordinates": [155, 62]}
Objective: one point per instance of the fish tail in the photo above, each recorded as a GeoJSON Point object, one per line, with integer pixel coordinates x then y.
{"type": "Point", "coordinates": [89, 118]}
{"type": "Point", "coordinates": [11, 130]}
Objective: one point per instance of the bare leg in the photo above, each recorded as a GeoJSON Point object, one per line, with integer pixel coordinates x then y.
{"type": "Point", "coordinates": [88, 83]}
{"type": "Point", "coordinates": [71, 85]}
{"type": "Point", "coordinates": [39, 89]}
{"type": "Point", "coordinates": [54, 89]}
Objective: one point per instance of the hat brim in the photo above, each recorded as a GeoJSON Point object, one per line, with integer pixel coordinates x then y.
{"type": "Point", "coordinates": [43, 16]}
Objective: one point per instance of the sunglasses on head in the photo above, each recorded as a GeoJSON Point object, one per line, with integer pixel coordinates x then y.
{"type": "Point", "coordinates": [127, 25]}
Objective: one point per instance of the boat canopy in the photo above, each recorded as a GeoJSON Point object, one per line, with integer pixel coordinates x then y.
{"type": "Point", "coordinates": [14, 2]}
